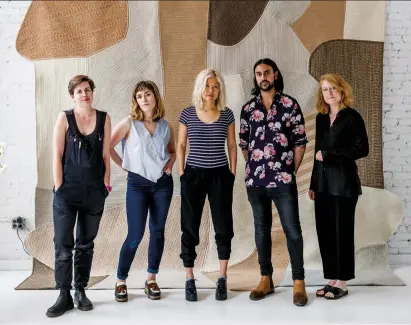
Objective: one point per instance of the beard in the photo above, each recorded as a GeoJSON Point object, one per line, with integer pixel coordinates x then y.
{"type": "Point", "coordinates": [267, 85]}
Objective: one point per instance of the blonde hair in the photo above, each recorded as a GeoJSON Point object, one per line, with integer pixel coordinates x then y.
{"type": "Point", "coordinates": [136, 112]}
{"type": "Point", "coordinates": [200, 85]}
{"type": "Point", "coordinates": [343, 87]}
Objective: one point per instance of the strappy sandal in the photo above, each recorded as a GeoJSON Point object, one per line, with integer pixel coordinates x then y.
{"type": "Point", "coordinates": [325, 289]}
{"type": "Point", "coordinates": [337, 293]}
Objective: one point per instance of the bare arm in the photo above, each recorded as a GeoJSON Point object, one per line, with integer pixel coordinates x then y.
{"type": "Point", "coordinates": [120, 132]}
{"type": "Point", "coordinates": [59, 134]}
{"type": "Point", "coordinates": [298, 156]}
{"type": "Point", "coordinates": [232, 148]}
{"type": "Point", "coordinates": [244, 134]}
{"type": "Point", "coordinates": [181, 147]}
{"type": "Point", "coordinates": [106, 149]}
{"type": "Point", "coordinates": [171, 148]}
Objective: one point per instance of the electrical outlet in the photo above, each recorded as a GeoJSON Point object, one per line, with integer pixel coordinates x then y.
{"type": "Point", "coordinates": [18, 223]}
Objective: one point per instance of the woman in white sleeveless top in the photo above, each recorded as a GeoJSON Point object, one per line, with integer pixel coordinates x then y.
{"type": "Point", "coordinates": [148, 157]}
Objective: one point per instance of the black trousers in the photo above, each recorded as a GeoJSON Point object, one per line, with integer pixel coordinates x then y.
{"type": "Point", "coordinates": [334, 217]}
{"type": "Point", "coordinates": [83, 203]}
{"type": "Point", "coordinates": [285, 198]}
{"type": "Point", "coordinates": [196, 184]}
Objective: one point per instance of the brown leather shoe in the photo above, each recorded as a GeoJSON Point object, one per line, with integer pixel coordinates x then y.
{"type": "Point", "coordinates": [264, 288]}
{"type": "Point", "coordinates": [120, 292]}
{"type": "Point", "coordinates": [299, 294]}
{"type": "Point", "coordinates": [152, 290]}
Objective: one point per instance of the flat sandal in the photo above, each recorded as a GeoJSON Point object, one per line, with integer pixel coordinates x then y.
{"type": "Point", "coordinates": [325, 289]}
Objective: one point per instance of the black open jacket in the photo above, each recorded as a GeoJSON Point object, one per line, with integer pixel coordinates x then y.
{"type": "Point", "coordinates": [341, 145]}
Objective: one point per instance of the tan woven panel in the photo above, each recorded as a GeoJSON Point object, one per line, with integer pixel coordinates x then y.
{"type": "Point", "coordinates": [43, 212]}
{"type": "Point", "coordinates": [183, 36]}
{"type": "Point", "coordinates": [361, 64]}
{"type": "Point", "coordinates": [230, 21]}
{"type": "Point", "coordinates": [304, 172]}
{"type": "Point", "coordinates": [322, 21]}
{"type": "Point", "coordinates": [63, 29]}
{"type": "Point", "coordinates": [42, 277]}
{"type": "Point", "coordinates": [365, 20]}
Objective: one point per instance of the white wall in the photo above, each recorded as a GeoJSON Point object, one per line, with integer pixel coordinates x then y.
{"type": "Point", "coordinates": [17, 128]}
{"type": "Point", "coordinates": [397, 120]}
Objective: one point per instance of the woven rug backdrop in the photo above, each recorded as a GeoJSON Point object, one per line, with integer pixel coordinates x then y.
{"type": "Point", "coordinates": [169, 42]}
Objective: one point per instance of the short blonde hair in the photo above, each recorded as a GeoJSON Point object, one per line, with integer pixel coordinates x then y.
{"type": "Point", "coordinates": [136, 112]}
{"type": "Point", "coordinates": [200, 85]}
{"type": "Point", "coordinates": [347, 98]}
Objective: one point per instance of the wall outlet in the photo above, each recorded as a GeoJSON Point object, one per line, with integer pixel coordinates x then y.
{"type": "Point", "coordinates": [18, 223]}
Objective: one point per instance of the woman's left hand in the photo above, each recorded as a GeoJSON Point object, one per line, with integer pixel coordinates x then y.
{"type": "Point", "coordinates": [319, 156]}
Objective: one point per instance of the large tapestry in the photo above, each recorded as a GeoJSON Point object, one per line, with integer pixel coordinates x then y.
{"type": "Point", "coordinates": [118, 43]}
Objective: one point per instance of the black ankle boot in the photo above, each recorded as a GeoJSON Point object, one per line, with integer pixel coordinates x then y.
{"type": "Point", "coordinates": [191, 290]}
{"type": "Point", "coordinates": [81, 300]}
{"type": "Point", "coordinates": [221, 290]}
{"type": "Point", "coordinates": [64, 303]}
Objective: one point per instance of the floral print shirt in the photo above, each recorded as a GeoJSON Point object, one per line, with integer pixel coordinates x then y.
{"type": "Point", "coordinates": [270, 138]}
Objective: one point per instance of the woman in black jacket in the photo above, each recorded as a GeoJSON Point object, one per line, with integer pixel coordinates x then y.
{"type": "Point", "coordinates": [341, 139]}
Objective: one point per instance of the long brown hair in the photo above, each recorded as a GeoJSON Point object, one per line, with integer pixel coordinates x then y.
{"type": "Point", "coordinates": [343, 87]}
{"type": "Point", "coordinates": [136, 112]}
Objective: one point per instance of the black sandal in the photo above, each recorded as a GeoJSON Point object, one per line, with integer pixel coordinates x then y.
{"type": "Point", "coordinates": [326, 289]}
{"type": "Point", "coordinates": [337, 293]}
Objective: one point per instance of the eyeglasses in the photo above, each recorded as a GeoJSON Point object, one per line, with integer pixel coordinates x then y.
{"type": "Point", "coordinates": [331, 90]}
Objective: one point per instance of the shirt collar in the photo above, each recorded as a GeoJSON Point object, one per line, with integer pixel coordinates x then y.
{"type": "Point", "coordinates": [277, 95]}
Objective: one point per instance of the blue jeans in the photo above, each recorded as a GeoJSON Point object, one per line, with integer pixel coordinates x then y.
{"type": "Point", "coordinates": [143, 196]}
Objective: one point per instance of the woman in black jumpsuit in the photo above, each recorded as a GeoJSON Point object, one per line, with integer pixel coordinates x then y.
{"type": "Point", "coordinates": [81, 170]}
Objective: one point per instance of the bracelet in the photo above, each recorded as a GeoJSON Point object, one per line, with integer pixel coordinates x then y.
{"type": "Point", "coordinates": [109, 188]}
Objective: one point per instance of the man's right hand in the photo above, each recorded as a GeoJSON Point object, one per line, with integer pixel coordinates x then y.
{"type": "Point", "coordinates": [311, 194]}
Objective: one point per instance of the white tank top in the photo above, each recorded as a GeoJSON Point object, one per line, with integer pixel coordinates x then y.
{"type": "Point", "coordinates": [144, 154]}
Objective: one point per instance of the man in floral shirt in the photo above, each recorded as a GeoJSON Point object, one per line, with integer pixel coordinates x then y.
{"type": "Point", "coordinates": [273, 139]}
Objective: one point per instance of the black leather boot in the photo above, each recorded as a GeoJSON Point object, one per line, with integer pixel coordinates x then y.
{"type": "Point", "coordinates": [221, 290]}
{"type": "Point", "coordinates": [64, 303]}
{"type": "Point", "coordinates": [81, 300]}
{"type": "Point", "coordinates": [191, 290]}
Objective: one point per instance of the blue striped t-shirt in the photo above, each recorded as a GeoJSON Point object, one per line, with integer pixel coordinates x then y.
{"type": "Point", "coordinates": [207, 141]}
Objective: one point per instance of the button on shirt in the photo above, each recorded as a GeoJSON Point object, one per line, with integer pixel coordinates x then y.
{"type": "Point", "coordinates": [270, 138]}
